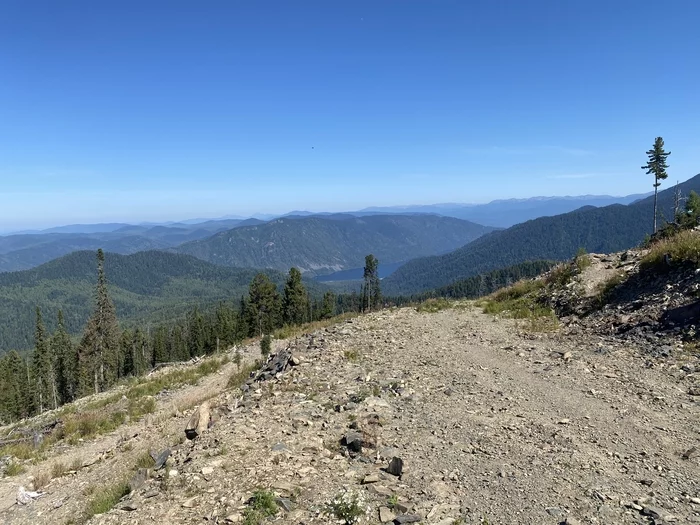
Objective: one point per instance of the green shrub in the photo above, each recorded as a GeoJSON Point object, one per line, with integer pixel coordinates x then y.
{"type": "Point", "coordinates": [347, 507]}
{"type": "Point", "coordinates": [104, 498]}
{"type": "Point", "coordinates": [266, 345]}
{"type": "Point", "coordinates": [14, 468]}
{"type": "Point", "coordinates": [261, 506]}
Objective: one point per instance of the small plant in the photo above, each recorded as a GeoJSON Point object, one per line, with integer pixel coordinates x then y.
{"type": "Point", "coordinates": [41, 479]}
{"type": "Point", "coordinates": [582, 260]}
{"type": "Point", "coordinates": [352, 355]}
{"type": "Point", "coordinates": [393, 501]}
{"type": "Point", "coordinates": [105, 498]}
{"type": "Point", "coordinates": [58, 469]}
{"type": "Point", "coordinates": [13, 469]}
{"type": "Point", "coordinates": [347, 507]}
{"type": "Point", "coordinates": [266, 345]}
{"type": "Point", "coordinates": [262, 505]}
{"type": "Point", "coordinates": [237, 359]}
{"type": "Point", "coordinates": [144, 460]}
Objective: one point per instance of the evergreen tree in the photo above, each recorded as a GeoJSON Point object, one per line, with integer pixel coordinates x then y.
{"type": "Point", "coordinates": [657, 166]}
{"type": "Point", "coordinates": [371, 292]}
{"type": "Point", "coordinates": [99, 347]}
{"type": "Point", "coordinates": [263, 306]}
{"type": "Point", "coordinates": [294, 303]}
{"type": "Point", "coordinates": [66, 362]}
{"type": "Point", "coordinates": [328, 308]}
{"type": "Point", "coordinates": [197, 340]}
{"type": "Point", "coordinates": [160, 346]}
{"type": "Point", "coordinates": [692, 210]}
{"type": "Point", "coordinates": [45, 385]}
{"type": "Point", "coordinates": [15, 395]}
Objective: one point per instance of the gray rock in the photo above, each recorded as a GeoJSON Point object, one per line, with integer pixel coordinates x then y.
{"type": "Point", "coordinates": [160, 459]}
{"type": "Point", "coordinates": [653, 512]}
{"type": "Point", "coordinates": [395, 467]}
{"type": "Point", "coordinates": [386, 515]}
{"type": "Point", "coordinates": [284, 503]}
{"type": "Point", "coordinates": [353, 441]}
{"type": "Point", "coordinates": [407, 518]}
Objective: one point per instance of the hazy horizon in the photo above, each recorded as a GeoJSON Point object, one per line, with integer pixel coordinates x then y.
{"type": "Point", "coordinates": [148, 111]}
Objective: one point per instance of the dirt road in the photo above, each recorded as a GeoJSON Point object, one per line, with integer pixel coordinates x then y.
{"type": "Point", "coordinates": [493, 425]}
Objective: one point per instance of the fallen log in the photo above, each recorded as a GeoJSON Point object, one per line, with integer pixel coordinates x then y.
{"type": "Point", "coordinates": [199, 421]}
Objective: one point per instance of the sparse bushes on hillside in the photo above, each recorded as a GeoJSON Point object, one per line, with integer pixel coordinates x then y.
{"type": "Point", "coordinates": [682, 248]}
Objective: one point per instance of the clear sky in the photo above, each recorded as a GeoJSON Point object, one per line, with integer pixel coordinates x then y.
{"type": "Point", "coordinates": [155, 110]}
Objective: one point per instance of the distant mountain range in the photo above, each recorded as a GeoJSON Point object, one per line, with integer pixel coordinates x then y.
{"type": "Point", "coordinates": [320, 245]}
{"type": "Point", "coordinates": [607, 229]}
{"type": "Point", "coordinates": [508, 212]}
{"type": "Point", "coordinates": [149, 286]}
{"type": "Point", "coordinates": [24, 251]}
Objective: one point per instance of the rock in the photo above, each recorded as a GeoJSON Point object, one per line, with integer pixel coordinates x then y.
{"type": "Point", "coordinates": [386, 515]}
{"type": "Point", "coordinates": [279, 447]}
{"type": "Point", "coordinates": [25, 497]}
{"type": "Point", "coordinates": [690, 453]}
{"type": "Point", "coordinates": [395, 467]}
{"type": "Point", "coordinates": [407, 518]}
{"type": "Point", "coordinates": [189, 503]}
{"type": "Point", "coordinates": [284, 503]}
{"type": "Point", "coordinates": [571, 521]}
{"type": "Point", "coordinates": [371, 478]}
{"type": "Point", "coordinates": [353, 441]}
{"type": "Point", "coordinates": [234, 518]}
{"type": "Point", "coordinates": [199, 422]}
{"type": "Point", "coordinates": [160, 459]}
{"type": "Point", "coordinates": [653, 512]}
{"type": "Point", "coordinates": [129, 507]}
{"type": "Point", "coordinates": [139, 479]}
{"type": "Point", "coordinates": [207, 471]}
{"type": "Point", "coordinates": [555, 511]}
{"type": "Point", "coordinates": [294, 361]}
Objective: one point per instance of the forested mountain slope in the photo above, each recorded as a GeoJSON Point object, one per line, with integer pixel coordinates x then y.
{"type": "Point", "coordinates": [602, 230]}
{"type": "Point", "coordinates": [145, 286]}
{"type": "Point", "coordinates": [321, 245]}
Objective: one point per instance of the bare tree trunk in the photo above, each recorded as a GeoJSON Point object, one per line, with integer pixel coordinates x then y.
{"type": "Point", "coordinates": [656, 191]}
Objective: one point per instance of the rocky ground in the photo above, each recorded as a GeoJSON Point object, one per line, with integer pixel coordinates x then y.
{"type": "Point", "coordinates": [490, 424]}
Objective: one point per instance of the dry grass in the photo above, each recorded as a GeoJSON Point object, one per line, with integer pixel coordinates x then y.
{"type": "Point", "coordinates": [104, 498]}
{"type": "Point", "coordinates": [605, 289]}
{"type": "Point", "coordinates": [14, 468]}
{"type": "Point", "coordinates": [287, 332]}
{"type": "Point", "coordinates": [41, 479]}
{"type": "Point", "coordinates": [683, 248]}
{"type": "Point", "coordinates": [434, 305]}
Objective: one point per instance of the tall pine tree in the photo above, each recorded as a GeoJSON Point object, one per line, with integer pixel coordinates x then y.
{"type": "Point", "coordinates": [45, 385]}
{"type": "Point", "coordinates": [294, 302]}
{"type": "Point", "coordinates": [657, 166]}
{"type": "Point", "coordinates": [66, 362]}
{"type": "Point", "coordinates": [371, 292]}
{"type": "Point", "coordinates": [263, 310]}
{"type": "Point", "coordinates": [98, 352]}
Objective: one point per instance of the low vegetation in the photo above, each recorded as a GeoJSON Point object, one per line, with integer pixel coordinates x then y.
{"type": "Point", "coordinates": [605, 289]}
{"type": "Point", "coordinates": [680, 249]}
{"type": "Point", "coordinates": [260, 507]}
{"type": "Point", "coordinates": [348, 508]}
{"type": "Point", "coordinates": [104, 498]}
{"type": "Point", "coordinates": [434, 305]}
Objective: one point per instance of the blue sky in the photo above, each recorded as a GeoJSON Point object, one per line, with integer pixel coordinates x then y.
{"type": "Point", "coordinates": [149, 110]}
